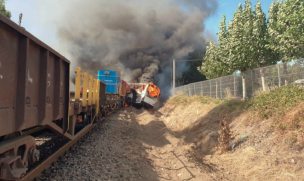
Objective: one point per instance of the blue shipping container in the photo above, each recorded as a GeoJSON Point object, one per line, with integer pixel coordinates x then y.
{"type": "Point", "coordinates": [110, 78]}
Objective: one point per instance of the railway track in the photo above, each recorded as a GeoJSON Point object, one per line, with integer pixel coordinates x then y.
{"type": "Point", "coordinates": [47, 163]}
{"type": "Point", "coordinates": [54, 157]}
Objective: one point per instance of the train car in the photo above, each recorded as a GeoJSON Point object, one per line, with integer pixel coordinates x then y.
{"type": "Point", "coordinates": [35, 92]}
{"type": "Point", "coordinates": [115, 90]}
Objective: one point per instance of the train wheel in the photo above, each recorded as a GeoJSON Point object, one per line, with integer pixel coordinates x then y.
{"type": "Point", "coordinates": [16, 155]}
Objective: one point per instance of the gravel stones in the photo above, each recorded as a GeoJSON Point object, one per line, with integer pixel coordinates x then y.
{"type": "Point", "coordinates": [111, 151]}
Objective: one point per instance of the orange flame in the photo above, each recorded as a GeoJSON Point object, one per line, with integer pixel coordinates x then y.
{"type": "Point", "coordinates": [126, 105]}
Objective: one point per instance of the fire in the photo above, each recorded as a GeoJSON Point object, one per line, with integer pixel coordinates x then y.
{"type": "Point", "coordinates": [126, 105]}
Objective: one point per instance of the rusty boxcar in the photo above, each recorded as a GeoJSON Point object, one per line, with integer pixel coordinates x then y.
{"type": "Point", "coordinates": [35, 92]}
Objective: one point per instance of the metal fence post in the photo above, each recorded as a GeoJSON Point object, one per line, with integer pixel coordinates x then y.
{"type": "Point", "coordinates": [173, 76]}
{"type": "Point", "coordinates": [252, 82]}
{"type": "Point", "coordinates": [194, 89]}
{"type": "Point", "coordinates": [279, 75]}
{"type": "Point", "coordinates": [188, 90]}
{"type": "Point", "coordinates": [244, 87]}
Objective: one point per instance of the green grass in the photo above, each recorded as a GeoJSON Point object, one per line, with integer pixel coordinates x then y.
{"type": "Point", "coordinates": [278, 101]}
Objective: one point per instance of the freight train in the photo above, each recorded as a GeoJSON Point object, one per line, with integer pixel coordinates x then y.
{"type": "Point", "coordinates": [35, 94]}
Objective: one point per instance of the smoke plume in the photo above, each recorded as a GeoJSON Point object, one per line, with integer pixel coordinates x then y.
{"type": "Point", "coordinates": [136, 38]}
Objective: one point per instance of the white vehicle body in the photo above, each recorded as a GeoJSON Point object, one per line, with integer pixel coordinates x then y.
{"type": "Point", "coordinates": [142, 95]}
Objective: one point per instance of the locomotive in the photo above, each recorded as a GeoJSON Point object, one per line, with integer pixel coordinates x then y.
{"type": "Point", "coordinates": [115, 90]}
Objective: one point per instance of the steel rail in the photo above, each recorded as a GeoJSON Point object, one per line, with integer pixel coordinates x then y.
{"type": "Point", "coordinates": [54, 157]}
{"type": "Point", "coordinates": [34, 130]}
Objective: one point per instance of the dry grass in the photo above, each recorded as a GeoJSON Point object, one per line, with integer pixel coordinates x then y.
{"type": "Point", "coordinates": [224, 138]}
{"type": "Point", "coordinates": [228, 93]}
{"type": "Point", "coordinates": [266, 153]}
{"type": "Point", "coordinates": [182, 99]}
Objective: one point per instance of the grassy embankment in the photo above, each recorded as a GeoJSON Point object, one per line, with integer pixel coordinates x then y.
{"type": "Point", "coordinates": [284, 104]}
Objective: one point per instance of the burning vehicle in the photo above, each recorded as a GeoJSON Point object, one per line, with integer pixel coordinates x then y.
{"type": "Point", "coordinates": [142, 95]}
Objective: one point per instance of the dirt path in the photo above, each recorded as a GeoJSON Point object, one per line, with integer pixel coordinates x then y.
{"type": "Point", "coordinates": [169, 155]}
{"type": "Point", "coordinates": [130, 145]}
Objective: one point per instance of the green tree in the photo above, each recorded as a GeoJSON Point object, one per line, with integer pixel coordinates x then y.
{"type": "Point", "coordinates": [248, 38]}
{"type": "Point", "coordinates": [244, 45]}
{"type": "Point", "coordinates": [286, 29]}
{"type": "Point", "coordinates": [264, 54]}
{"type": "Point", "coordinates": [3, 9]}
{"type": "Point", "coordinates": [272, 28]}
{"type": "Point", "coordinates": [216, 62]}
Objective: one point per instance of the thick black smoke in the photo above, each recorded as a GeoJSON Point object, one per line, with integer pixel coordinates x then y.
{"type": "Point", "coordinates": [137, 38]}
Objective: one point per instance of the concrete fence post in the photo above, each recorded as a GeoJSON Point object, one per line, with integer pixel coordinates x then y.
{"type": "Point", "coordinates": [244, 87]}
{"type": "Point", "coordinates": [263, 80]}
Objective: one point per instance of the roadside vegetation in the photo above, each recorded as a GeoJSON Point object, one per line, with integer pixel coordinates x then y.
{"type": "Point", "coordinates": [264, 133]}
{"type": "Point", "coordinates": [276, 103]}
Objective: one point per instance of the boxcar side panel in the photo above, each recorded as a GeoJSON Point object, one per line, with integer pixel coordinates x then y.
{"type": "Point", "coordinates": [32, 86]}
{"type": "Point", "coordinates": [8, 63]}
{"type": "Point", "coordinates": [34, 81]}
{"type": "Point", "coordinates": [50, 88]}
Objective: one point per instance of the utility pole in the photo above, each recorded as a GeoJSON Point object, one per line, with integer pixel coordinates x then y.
{"type": "Point", "coordinates": [171, 70]}
{"type": "Point", "coordinates": [173, 87]}
{"type": "Point", "coordinates": [173, 76]}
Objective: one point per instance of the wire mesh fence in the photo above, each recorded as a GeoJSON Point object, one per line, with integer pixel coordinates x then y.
{"type": "Point", "coordinates": [248, 83]}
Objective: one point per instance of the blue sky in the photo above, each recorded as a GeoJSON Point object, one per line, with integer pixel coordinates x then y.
{"type": "Point", "coordinates": [46, 31]}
